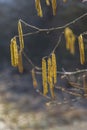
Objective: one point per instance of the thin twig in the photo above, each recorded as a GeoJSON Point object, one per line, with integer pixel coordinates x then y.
{"type": "Point", "coordinates": [54, 28]}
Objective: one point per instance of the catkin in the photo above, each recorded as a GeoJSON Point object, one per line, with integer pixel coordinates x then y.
{"type": "Point", "coordinates": [20, 32]}
{"type": "Point", "coordinates": [14, 52]}
{"type": "Point", "coordinates": [20, 64]}
{"type": "Point", "coordinates": [54, 68]}
{"type": "Point", "coordinates": [50, 77]}
{"type": "Point", "coordinates": [44, 77]}
{"type": "Point", "coordinates": [35, 84]}
{"type": "Point", "coordinates": [70, 40]}
{"type": "Point", "coordinates": [72, 45]}
{"type": "Point", "coordinates": [48, 2]}
{"type": "Point", "coordinates": [81, 49]}
{"type": "Point", "coordinates": [54, 6]}
{"type": "Point", "coordinates": [49, 71]}
{"type": "Point", "coordinates": [38, 8]}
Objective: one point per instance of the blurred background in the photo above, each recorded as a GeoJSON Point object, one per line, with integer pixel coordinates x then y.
{"type": "Point", "coordinates": [21, 107]}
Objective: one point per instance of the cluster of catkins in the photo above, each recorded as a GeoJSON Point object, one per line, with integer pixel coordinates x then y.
{"type": "Point", "coordinates": [70, 43]}
{"type": "Point", "coordinates": [49, 74]}
{"type": "Point", "coordinates": [52, 3]}
{"type": "Point", "coordinates": [49, 64]}
{"type": "Point", "coordinates": [16, 51]}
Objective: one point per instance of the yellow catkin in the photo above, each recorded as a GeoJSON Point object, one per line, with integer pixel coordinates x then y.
{"type": "Point", "coordinates": [81, 49]}
{"type": "Point", "coordinates": [20, 32]}
{"type": "Point", "coordinates": [14, 52]}
{"type": "Point", "coordinates": [54, 6]}
{"type": "Point", "coordinates": [47, 2]}
{"type": "Point", "coordinates": [72, 45]}
{"type": "Point", "coordinates": [35, 84]}
{"type": "Point", "coordinates": [20, 64]}
{"type": "Point", "coordinates": [70, 40]}
{"type": "Point", "coordinates": [54, 68]}
{"type": "Point", "coordinates": [38, 8]}
{"type": "Point", "coordinates": [50, 78]}
{"type": "Point", "coordinates": [44, 77]}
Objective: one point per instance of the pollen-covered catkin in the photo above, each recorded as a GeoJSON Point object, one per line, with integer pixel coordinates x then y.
{"type": "Point", "coordinates": [50, 77]}
{"type": "Point", "coordinates": [70, 40]}
{"type": "Point", "coordinates": [49, 71]}
{"type": "Point", "coordinates": [14, 52]}
{"type": "Point", "coordinates": [81, 49]}
{"type": "Point", "coordinates": [20, 64]}
{"type": "Point", "coordinates": [72, 45]}
{"type": "Point", "coordinates": [20, 32]}
{"type": "Point", "coordinates": [44, 77]}
{"type": "Point", "coordinates": [54, 68]}
{"type": "Point", "coordinates": [54, 6]}
{"type": "Point", "coordinates": [38, 8]}
{"type": "Point", "coordinates": [48, 2]}
{"type": "Point", "coordinates": [35, 84]}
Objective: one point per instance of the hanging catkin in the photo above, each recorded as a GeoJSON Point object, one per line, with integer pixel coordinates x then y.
{"type": "Point", "coordinates": [50, 77]}
{"type": "Point", "coordinates": [54, 6]}
{"type": "Point", "coordinates": [38, 8]}
{"type": "Point", "coordinates": [20, 32]}
{"type": "Point", "coordinates": [47, 2]}
{"type": "Point", "coordinates": [72, 45]}
{"type": "Point", "coordinates": [35, 84]}
{"type": "Point", "coordinates": [14, 52]}
{"type": "Point", "coordinates": [54, 68]}
{"type": "Point", "coordinates": [20, 64]}
{"type": "Point", "coordinates": [70, 40]}
{"type": "Point", "coordinates": [44, 77]}
{"type": "Point", "coordinates": [81, 49]}
{"type": "Point", "coordinates": [49, 71]}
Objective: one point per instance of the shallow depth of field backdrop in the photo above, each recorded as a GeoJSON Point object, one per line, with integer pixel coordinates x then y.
{"type": "Point", "coordinates": [21, 107]}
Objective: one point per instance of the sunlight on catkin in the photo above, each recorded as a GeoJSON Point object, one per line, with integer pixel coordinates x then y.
{"type": "Point", "coordinates": [54, 68]}
{"type": "Point", "coordinates": [44, 77]}
{"type": "Point", "coordinates": [66, 33]}
{"type": "Point", "coordinates": [14, 52]}
{"type": "Point", "coordinates": [81, 49]}
{"type": "Point", "coordinates": [54, 6]}
{"type": "Point", "coordinates": [48, 2]}
{"type": "Point", "coordinates": [70, 40]}
{"type": "Point", "coordinates": [49, 69]}
{"type": "Point", "coordinates": [50, 77]}
{"type": "Point", "coordinates": [20, 32]}
{"type": "Point", "coordinates": [35, 84]}
{"type": "Point", "coordinates": [38, 8]}
{"type": "Point", "coordinates": [20, 64]}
